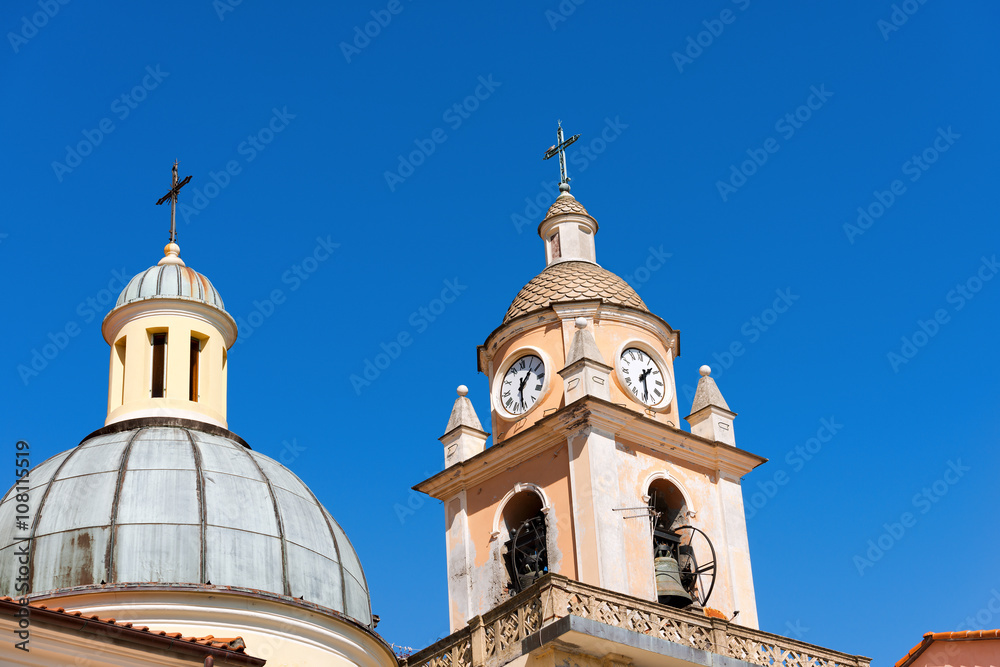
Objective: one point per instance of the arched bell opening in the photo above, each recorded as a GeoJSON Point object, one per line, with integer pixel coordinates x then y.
{"type": "Point", "coordinates": [524, 536]}
{"type": "Point", "coordinates": [683, 556]}
{"type": "Point", "coordinates": [668, 505]}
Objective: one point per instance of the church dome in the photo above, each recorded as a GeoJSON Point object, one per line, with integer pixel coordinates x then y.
{"type": "Point", "coordinates": [166, 501]}
{"type": "Point", "coordinates": [573, 281]}
{"type": "Point", "coordinates": [170, 279]}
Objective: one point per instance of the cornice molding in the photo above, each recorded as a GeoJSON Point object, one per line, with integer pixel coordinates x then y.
{"type": "Point", "coordinates": [546, 225]}
{"type": "Point", "coordinates": [590, 412]}
{"type": "Point", "coordinates": [461, 430]}
{"type": "Point", "coordinates": [710, 409]}
{"type": "Point", "coordinates": [559, 311]}
{"type": "Point", "coordinates": [584, 362]}
{"type": "Point", "coordinates": [156, 307]}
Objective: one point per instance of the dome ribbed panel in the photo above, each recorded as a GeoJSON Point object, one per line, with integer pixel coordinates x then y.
{"type": "Point", "coordinates": [192, 284]}
{"type": "Point", "coordinates": [167, 281]}
{"type": "Point", "coordinates": [573, 281]}
{"type": "Point", "coordinates": [168, 504]}
{"type": "Point", "coordinates": [358, 602]}
{"type": "Point", "coordinates": [149, 284]}
{"type": "Point", "coordinates": [170, 281]}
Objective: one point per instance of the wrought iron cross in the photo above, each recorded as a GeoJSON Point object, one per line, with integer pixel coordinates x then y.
{"type": "Point", "coordinates": [560, 149]}
{"type": "Point", "coordinates": [172, 196]}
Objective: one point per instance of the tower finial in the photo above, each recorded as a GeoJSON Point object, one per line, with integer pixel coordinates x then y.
{"type": "Point", "coordinates": [560, 150]}
{"type": "Point", "coordinates": [175, 189]}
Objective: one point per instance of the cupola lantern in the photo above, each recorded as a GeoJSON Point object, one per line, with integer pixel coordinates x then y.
{"type": "Point", "coordinates": [169, 335]}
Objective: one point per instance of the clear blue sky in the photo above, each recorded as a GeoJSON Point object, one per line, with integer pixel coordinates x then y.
{"type": "Point", "coordinates": [674, 127]}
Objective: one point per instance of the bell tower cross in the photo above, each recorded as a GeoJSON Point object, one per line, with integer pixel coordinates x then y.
{"type": "Point", "coordinates": [560, 150]}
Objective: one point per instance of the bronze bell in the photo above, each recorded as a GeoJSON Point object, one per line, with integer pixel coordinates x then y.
{"type": "Point", "coordinates": [526, 579]}
{"type": "Point", "coordinates": [669, 590]}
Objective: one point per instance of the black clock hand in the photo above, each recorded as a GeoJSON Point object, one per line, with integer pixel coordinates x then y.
{"type": "Point", "coordinates": [520, 390]}
{"type": "Point", "coordinates": [645, 389]}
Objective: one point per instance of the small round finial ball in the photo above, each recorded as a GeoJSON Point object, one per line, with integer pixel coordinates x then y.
{"type": "Point", "coordinates": [705, 371]}
{"type": "Point", "coordinates": [564, 187]}
{"type": "Point", "coordinates": [462, 390]}
{"type": "Point", "coordinates": [171, 249]}
{"type": "Point", "coordinates": [581, 323]}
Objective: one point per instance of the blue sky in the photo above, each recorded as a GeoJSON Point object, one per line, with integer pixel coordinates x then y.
{"type": "Point", "coordinates": [741, 138]}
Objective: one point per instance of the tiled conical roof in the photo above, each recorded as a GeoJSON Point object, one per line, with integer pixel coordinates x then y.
{"type": "Point", "coordinates": [566, 203]}
{"type": "Point", "coordinates": [573, 281]}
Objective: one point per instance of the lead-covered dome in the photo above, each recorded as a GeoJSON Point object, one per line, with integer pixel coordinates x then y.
{"type": "Point", "coordinates": [573, 281]}
{"type": "Point", "coordinates": [170, 279]}
{"type": "Point", "coordinates": [151, 501]}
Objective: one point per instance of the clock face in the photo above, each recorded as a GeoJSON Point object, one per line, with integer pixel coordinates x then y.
{"type": "Point", "coordinates": [522, 384]}
{"type": "Point", "coordinates": [642, 376]}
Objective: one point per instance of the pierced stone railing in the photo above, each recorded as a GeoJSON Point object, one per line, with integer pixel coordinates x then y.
{"type": "Point", "coordinates": [494, 638]}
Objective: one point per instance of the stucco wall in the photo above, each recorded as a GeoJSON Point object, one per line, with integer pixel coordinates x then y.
{"type": "Point", "coordinates": [967, 653]}
{"type": "Point", "coordinates": [611, 328]}
{"type": "Point", "coordinates": [135, 400]}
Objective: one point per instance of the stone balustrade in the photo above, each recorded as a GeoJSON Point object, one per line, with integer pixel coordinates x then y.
{"type": "Point", "coordinates": [496, 638]}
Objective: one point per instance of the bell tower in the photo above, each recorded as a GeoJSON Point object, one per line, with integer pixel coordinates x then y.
{"type": "Point", "coordinates": [590, 474]}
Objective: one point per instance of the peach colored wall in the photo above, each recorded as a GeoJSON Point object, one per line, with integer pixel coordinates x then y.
{"type": "Point", "coordinates": [548, 338]}
{"type": "Point", "coordinates": [636, 464]}
{"type": "Point", "coordinates": [554, 338]}
{"type": "Point", "coordinates": [610, 336]}
{"type": "Point", "coordinates": [966, 653]}
{"type": "Point", "coordinates": [714, 514]}
{"type": "Point", "coordinates": [548, 470]}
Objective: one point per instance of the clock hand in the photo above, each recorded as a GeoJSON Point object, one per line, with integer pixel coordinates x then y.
{"type": "Point", "coordinates": [645, 389]}
{"type": "Point", "coordinates": [520, 389]}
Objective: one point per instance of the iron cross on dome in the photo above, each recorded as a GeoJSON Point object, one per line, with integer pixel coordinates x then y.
{"type": "Point", "coordinates": [560, 150]}
{"type": "Point", "coordinates": [172, 196]}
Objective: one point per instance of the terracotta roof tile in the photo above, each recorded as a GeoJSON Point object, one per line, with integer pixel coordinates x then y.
{"type": "Point", "coordinates": [968, 634]}
{"type": "Point", "coordinates": [931, 637]}
{"type": "Point", "coordinates": [235, 644]}
{"type": "Point", "coordinates": [573, 281]}
{"type": "Point", "coordinates": [566, 205]}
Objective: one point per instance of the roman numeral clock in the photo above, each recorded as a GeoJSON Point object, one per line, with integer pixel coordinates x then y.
{"type": "Point", "coordinates": [520, 385]}
{"type": "Point", "coordinates": [641, 374]}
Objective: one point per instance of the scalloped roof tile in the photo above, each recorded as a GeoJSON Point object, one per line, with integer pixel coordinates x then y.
{"type": "Point", "coordinates": [566, 204]}
{"type": "Point", "coordinates": [573, 281]}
